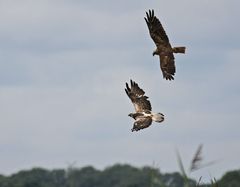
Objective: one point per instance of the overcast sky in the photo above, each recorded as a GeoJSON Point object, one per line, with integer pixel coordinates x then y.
{"type": "Point", "coordinates": [63, 68]}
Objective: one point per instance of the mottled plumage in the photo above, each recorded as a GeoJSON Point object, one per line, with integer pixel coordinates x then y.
{"type": "Point", "coordinates": [143, 116]}
{"type": "Point", "coordinates": [164, 48]}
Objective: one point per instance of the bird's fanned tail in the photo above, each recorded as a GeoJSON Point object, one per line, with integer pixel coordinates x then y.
{"type": "Point", "coordinates": [179, 49]}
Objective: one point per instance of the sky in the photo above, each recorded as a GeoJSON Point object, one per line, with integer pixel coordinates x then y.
{"type": "Point", "coordinates": [63, 69]}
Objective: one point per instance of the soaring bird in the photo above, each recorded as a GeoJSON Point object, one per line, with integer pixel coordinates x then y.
{"type": "Point", "coordinates": [164, 48]}
{"type": "Point", "coordinates": [143, 116]}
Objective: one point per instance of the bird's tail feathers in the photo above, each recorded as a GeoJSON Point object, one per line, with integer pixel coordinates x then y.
{"type": "Point", "coordinates": [179, 49]}
{"type": "Point", "coordinates": [158, 117]}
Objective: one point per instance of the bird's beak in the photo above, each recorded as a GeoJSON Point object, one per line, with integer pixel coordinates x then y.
{"type": "Point", "coordinates": [154, 53]}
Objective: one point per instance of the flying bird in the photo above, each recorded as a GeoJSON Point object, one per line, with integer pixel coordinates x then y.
{"type": "Point", "coordinates": [164, 49]}
{"type": "Point", "coordinates": [143, 116]}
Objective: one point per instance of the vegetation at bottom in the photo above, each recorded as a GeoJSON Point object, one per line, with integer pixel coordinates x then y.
{"type": "Point", "coordinates": [119, 175]}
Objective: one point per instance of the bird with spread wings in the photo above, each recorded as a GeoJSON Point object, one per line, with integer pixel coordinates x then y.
{"type": "Point", "coordinates": [164, 48]}
{"type": "Point", "coordinates": [143, 116]}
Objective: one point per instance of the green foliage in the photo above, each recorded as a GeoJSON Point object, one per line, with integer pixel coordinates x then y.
{"type": "Point", "coordinates": [173, 179]}
{"type": "Point", "coordinates": [36, 177]}
{"type": "Point", "coordinates": [115, 176]}
{"type": "Point", "coordinates": [85, 177]}
{"type": "Point", "coordinates": [230, 179]}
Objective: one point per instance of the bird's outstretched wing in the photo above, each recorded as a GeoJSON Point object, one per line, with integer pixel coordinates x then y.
{"type": "Point", "coordinates": [139, 100]}
{"type": "Point", "coordinates": [167, 66]}
{"type": "Point", "coordinates": [156, 30]}
{"type": "Point", "coordinates": [142, 123]}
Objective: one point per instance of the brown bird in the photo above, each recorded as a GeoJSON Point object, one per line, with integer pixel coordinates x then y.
{"type": "Point", "coordinates": [164, 48]}
{"type": "Point", "coordinates": [144, 115]}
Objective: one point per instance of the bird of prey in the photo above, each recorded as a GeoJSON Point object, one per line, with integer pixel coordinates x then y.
{"type": "Point", "coordinates": [143, 116]}
{"type": "Point", "coordinates": [164, 49]}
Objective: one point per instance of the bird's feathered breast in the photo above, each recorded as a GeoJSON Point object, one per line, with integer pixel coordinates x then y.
{"type": "Point", "coordinates": [139, 100]}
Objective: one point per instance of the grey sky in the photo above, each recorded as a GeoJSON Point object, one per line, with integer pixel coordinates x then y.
{"type": "Point", "coordinates": [63, 68]}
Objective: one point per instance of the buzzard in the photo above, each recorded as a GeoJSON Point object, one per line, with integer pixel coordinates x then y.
{"type": "Point", "coordinates": [164, 48]}
{"type": "Point", "coordinates": [143, 116]}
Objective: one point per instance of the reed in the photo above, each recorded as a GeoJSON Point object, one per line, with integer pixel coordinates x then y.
{"type": "Point", "coordinates": [196, 164]}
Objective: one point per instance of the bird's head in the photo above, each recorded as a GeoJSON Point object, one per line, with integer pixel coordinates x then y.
{"type": "Point", "coordinates": [130, 115]}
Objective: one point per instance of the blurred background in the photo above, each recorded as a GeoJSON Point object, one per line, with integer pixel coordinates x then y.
{"type": "Point", "coordinates": [63, 68]}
